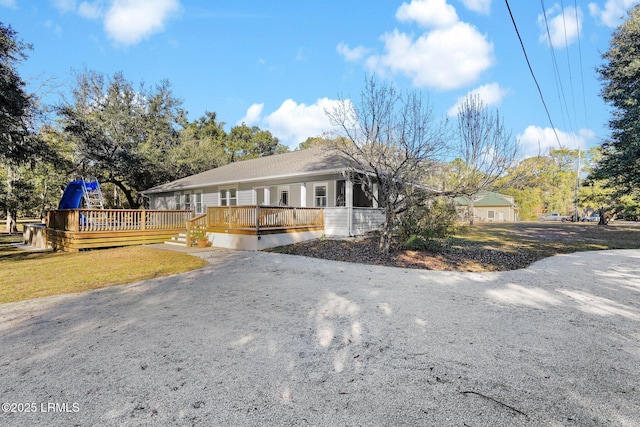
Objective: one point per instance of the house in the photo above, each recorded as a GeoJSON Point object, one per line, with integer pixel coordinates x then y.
{"type": "Point", "coordinates": [311, 178]}
{"type": "Point", "coordinates": [488, 206]}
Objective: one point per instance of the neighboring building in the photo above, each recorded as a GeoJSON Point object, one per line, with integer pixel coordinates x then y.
{"type": "Point", "coordinates": [488, 207]}
{"type": "Point", "coordinates": [314, 177]}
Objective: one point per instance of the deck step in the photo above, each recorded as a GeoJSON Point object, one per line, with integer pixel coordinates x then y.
{"type": "Point", "coordinates": [179, 240]}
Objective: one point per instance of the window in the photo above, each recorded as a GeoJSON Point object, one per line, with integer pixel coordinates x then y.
{"type": "Point", "coordinates": [187, 202]}
{"type": "Point", "coordinates": [197, 201]}
{"type": "Point", "coordinates": [228, 197]}
{"type": "Point", "coordinates": [320, 196]}
{"type": "Point", "coordinates": [176, 198]}
{"type": "Point", "coordinates": [283, 199]}
{"type": "Point", "coordinates": [491, 214]}
{"type": "Point", "coordinates": [340, 192]}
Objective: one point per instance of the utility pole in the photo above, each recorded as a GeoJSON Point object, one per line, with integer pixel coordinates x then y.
{"type": "Point", "coordinates": [577, 217]}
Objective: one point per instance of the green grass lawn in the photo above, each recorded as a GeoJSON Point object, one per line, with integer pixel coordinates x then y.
{"type": "Point", "coordinates": [25, 275]}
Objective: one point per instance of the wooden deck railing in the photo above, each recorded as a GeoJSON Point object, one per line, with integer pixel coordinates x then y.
{"type": "Point", "coordinates": [106, 220]}
{"type": "Point", "coordinates": [262, 217]}
{"type": "Point", "coordinates": [86, 228]}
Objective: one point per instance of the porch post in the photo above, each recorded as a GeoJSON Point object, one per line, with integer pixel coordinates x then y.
{"type": "Point", "coordinates": [348, 190]}
{"type": "Point", "coordinates": [258, 220]}
{"type": "Point", "coordinates": [303, 195]}
{"type": "Point", "coordinates": [375, 195]}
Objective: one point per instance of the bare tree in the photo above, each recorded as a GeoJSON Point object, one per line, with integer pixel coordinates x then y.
{"type": "Point", "coordinates": [486, 148]}
{"type": "Point", "coordinates": [388, 138]}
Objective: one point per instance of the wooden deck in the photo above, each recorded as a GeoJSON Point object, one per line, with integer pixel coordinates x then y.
{"type": "Point", "coordinates": [77, 229]}
{"type": "Point", "coordinates": [73, 230]}
{"type": "Point", "coordinates": [257, 220]}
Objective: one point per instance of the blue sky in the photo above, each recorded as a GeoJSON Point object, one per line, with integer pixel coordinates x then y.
{"type": "Point", "coordinates": [279, 64]}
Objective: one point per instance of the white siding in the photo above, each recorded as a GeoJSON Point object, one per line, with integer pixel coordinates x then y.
{"type": "Point", "coordinates": [366, 220]}
{"type": "Point", "coordinates": [363, 220]}
{"type": "Point", "coordinates": [210, 197]}
{"type": "Point", "coordinates": [245, 197]}
{"type": "Point", "coordinates": [336, 221]}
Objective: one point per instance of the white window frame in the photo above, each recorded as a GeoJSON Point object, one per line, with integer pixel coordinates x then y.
{"type": "Point", "coordinates": [226, 196]}
{"type": "Point", "coordinates": [316, 198]}
{"type": "Point", "coordinates": [187, 201]}
{"type": "Point", "coordinates": [197, 202]}
{"type": "Point", "coordinates": [177, 201]}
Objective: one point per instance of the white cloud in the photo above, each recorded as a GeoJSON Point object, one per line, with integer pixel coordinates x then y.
{"type": "Point", "coordinates": [564, 27]}
{"type": "Point", "coordinates": [293, 123]}
{"type": "Point", "coordinates": [303, 54]}
{"type": "Point", "coordinates": [352, 55]}
{"type": "Point", "coordinates": [8, 3]}
{"type": "Point", "coordinates": [479, 6]}
{"type": "Point", "coordinates": [128, 22]}
{"type": "Point", "coordinates": [536, 140]}
{"type": "Point", "coordinates": [428, 13]}
{"type": "Point", "coordinates": [90, 10]}
{"type": "Point", "coordinates": [253, 115]}
{"type": "Point", "coordinates": [614, 12]}
{"type": "Point", "coordinates": [451, 54]}
{"type": "Point", "coordinates": [491, 95]}
{"type": "Point", "coordinates": [65, 5]}
{"type": "Point", "coordinates": [445, 58]}
{"type": "Point", "coordinates": [57, 29]}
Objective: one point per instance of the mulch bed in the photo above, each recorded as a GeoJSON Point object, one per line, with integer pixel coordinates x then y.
{"type": "Point", "coordinates": [449, 258]}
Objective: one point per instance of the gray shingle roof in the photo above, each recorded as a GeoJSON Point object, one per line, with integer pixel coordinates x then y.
{"type": "Point", "coordinates": [312, 161]}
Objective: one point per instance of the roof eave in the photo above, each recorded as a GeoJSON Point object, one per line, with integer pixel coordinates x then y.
{"type": "Point", "coordinates": [250, 180]}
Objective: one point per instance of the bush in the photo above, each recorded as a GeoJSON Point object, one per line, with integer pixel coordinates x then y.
{"type": "Point", "coordinates": [419, 243]}
{"type": "Point", "coordinates": [436, 220]}
{"type": "Point", "coordinates": [427, 227]}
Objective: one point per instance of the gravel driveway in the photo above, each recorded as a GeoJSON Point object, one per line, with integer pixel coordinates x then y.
{"type": "Point", "coordinates": [267, 339]}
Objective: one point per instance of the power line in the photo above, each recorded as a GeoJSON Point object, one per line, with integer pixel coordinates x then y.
{"type": "Point", "coordinates": [566, 43]}
{"type": "Point", "coordinates": [584, 96]}
{"type": "Point", "coordinates": [526, 57]}
{"type": "Point", "coordinates": [560, 87]}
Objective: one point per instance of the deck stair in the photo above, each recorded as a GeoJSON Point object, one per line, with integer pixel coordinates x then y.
{"type": "Point", "coordinates": [179, 240]}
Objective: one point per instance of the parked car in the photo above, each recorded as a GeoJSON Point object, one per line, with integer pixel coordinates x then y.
{"type": "Point", "coordinates": [554, 217]}
{"type": "Point", "coordinates": [592, 218]}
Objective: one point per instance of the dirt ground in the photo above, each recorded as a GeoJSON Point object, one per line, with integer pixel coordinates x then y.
{"type": "Point", "coordinates": [270, 339]}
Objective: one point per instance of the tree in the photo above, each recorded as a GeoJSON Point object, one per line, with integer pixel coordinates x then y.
{"type": "Point", "coordinates": [619, 167]}
{"type": "Point", "coordinates": [201, 147]}
{"type": "Point", "coordinates": [19, 144]}
{"type": "Point", "coordinates": [123, 134]}
{"type": "Point", "coordinates": [487, 149]}
{"type": "Point", "coordinates": [244, 142]}
{"type": "Point", "coordinates": [16, 106]}
{"type": "Point", "coordinates": [544, 183]}
{"type": "Point", "coordinates": [388, 138]}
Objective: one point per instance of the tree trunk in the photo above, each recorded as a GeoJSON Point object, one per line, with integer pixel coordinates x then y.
{"type": "Point", "coordinates": [11, 224]}
{"type": "Point", "coordinates": [127, 194]}
{"type": "Point", "coordinates": [471, 211]}
{"type": "Point", "coordinates": [387, 233]}
{"type": "Point", "coordinates": [603, 218]}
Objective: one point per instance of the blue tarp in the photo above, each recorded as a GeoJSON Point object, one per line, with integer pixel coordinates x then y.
{"type": "Point", "coordinates": [72, 196]}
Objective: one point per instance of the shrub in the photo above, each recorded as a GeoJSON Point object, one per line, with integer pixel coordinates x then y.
{"type": "Point", "coordinates": [436, 220]}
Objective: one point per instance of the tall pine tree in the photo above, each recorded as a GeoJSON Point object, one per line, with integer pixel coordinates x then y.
{"type": "Point", "coordinates": [619, 166]}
